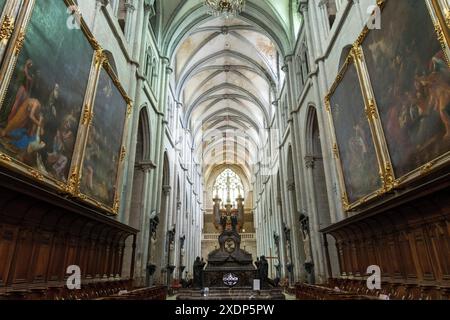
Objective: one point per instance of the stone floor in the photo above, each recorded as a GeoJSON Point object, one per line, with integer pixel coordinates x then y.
{"type": "Point", "coordinates": [288, 297]}
{"type": "Point", "coordinates": [237, 294]}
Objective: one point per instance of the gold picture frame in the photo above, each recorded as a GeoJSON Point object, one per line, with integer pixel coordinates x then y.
{"type": "Point", "coordinates": [9, 18]}
{"type": "Point", "coordinates": [71, 187]}
{"type": "Point", "coordinates": [353, 59]}
{"type": "Point", "coordinates": [13, 37]}
{"type": "Point", "coordinates": [440, 15]}
{"type": "Point", "coordinates": [102, 63]}
{"type": "Point", "coordinates": [438, 11]}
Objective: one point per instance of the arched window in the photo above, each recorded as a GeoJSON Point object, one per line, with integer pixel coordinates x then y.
{"type": "Point", "coordinates": [228, 186]}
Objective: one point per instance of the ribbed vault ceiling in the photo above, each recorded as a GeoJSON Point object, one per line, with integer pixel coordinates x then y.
{"type": "Point", "coordinates": [227, 73]}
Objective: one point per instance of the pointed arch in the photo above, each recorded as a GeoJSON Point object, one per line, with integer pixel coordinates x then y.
{"type": "Point", "coordinates": [315, 162]}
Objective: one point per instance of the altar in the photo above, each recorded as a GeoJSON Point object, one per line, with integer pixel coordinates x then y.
{"type": "Point", "coordinates": [230, 271]}
{"type": "Point", "coordinates": [229, 266]}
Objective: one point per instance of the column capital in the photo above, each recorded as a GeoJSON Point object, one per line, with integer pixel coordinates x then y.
{"type": "Point", "coordinates": [288, 58]}
{"type": "Point", "coordinates": [310, 162]}
{"type": "Point", "coordinates": [166, 190]}
{"type": "Point", "coordinates": [291, 185]}
{"type": "Point", "coordinates": [145, 166]}
{"type": "Point", "coordinates": [129, 7]}
{"type": "Point", "coordinates": [303, 6]}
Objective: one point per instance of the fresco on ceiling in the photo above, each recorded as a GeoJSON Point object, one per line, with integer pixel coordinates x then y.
{"type": "Point", "coordinates": [411, 82]}
{"type": "Point", "coordinates": [40, 114]}
{"type": "Point", "coordinates": [356, 148]}
{"type": "Point", "coordinates": [102, 156]}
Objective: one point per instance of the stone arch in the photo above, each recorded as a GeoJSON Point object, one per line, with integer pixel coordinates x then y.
{"type": "Point", "coordinates": [143, 146]}
{"type": "Point", "coordinates": [138, 214]}
{"type": "Point", "coordinates": [315, 161]}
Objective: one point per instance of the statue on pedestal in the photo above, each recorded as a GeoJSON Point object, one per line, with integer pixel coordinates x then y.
{"type": "Point", "coordinates": [263, 271]}
{"type": "Point", "coordinates": [258, 268]}
{"type": "Point", "coordinates": [152, 256]}
{"type": "Point", "coordinates": [304, 221]}
{"type": "Point", "coordinates": [199, 265]}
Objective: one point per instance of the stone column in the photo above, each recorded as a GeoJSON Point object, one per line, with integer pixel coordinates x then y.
{"type": "Point", "coordinates": [314, 229]}
{"type": "Point", "coordinates": [129, 20]}
{"type": "Point", "coordinates": [320, 90]}
{"type": "Point", "coordinates": [160, 136]}
{"type": "Point", "coordinates": [170, 255]}
{"type": "Point", "coordinates": [182, 265]}
{"type": "Point", "coordinates": [282, 242]}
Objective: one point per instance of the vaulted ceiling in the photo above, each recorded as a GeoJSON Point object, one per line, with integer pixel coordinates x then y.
{"type": "Point", "coordinates": [227, 74]}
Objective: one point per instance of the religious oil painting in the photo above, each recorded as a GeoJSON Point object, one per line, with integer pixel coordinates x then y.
{"type": "Point", "coordinates": [411, 83]}
{"type": "Point", "coordinates": [40, 114]}
{"type": "Point", "coordinates": [103, 150]}
{"type": "Point", "coordinates": [356, 148]}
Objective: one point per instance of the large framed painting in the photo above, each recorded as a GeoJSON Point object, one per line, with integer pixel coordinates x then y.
{"type": "Point", "coordinates": [358, 164]}
{"type": "Point", "coordinates": [409, 77]}
{"type": "Point", "coordinates": [63, 111]}
{"type": "Point", "coordinates": [104, 152]}
{"type": "Point", "coordinates": [41, 108]}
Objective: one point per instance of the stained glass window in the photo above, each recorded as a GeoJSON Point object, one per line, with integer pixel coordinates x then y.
{"type": "Point", "coordinates": [228, 186]}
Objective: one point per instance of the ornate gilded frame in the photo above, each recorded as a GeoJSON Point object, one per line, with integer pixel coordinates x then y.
{"type": "Point", "coordinates": [354, 57]}
{"type": "Point", "coordinates": [440, 15]}
{"type": "Point", "coordinates": [9, 18]}
{"type": "Point", "coordinates": [13, 37]}
{"type": "Point", "coordinates": [71, 188]}
{"type": "Point", "coordinates": [102, 62]}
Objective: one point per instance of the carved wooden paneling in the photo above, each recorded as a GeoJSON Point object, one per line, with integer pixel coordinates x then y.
{"type": "Point", "coordinates": [22, 258]}
{"type": "Point", "coordinates": [42, 247]}
{"type": "Point", "coordinates": [410, 241]}
{"type": "Point", "coordinates": [56, 262]}
{"type": "Point", "coordinates": [8, 236]}
{"type": "Point", "coordinates": [40, 239]}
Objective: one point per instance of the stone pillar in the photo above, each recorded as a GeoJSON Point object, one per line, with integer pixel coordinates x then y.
{"type": "Point", "coordinates": [170, 267]}
{"type": "Point", "coordinates": [320, 85]}
{"type": "Point", "coordinates": [314, 230]}
{"type": "Point", "coordinates": [282, 242]}
{"type": "Point", "coordinates": [182, 265]}
{"type": "Point", "coordinates": [129, 20]}
{"type": "Point", "coordinates": [159, 140]}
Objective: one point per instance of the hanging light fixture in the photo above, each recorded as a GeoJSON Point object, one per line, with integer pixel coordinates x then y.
{"type": "Point", "coordinates": [227, 8]}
